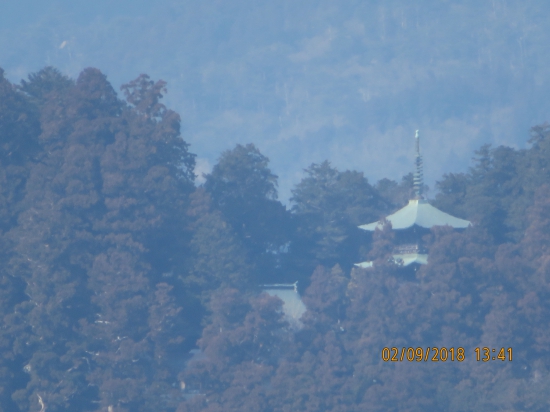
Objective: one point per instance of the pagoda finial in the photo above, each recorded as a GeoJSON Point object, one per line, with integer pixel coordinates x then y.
{"type": "Point", "coordinates": [418, 174]}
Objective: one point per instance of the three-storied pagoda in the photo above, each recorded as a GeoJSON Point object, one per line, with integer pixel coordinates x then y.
{"type": "Point", "coordinates": [413, 221]}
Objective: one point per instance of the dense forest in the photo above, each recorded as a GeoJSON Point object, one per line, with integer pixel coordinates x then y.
{"type": "Point", "coordinates": [115, 267]}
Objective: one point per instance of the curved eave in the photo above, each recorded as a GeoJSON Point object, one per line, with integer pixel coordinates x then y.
{"type": "Point", "coordinates": [404, 260]}
{"type": "Point", "coordinates": [364, 265]}
{"type": "Point", "coordinates": [420, 213]}
{"type": "Point", "coordinates": [407, 260]}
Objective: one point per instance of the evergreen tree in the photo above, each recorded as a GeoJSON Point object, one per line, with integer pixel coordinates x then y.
{"type": "Point", "coordinates": [328, 205]}
{"type": "Point", "coordinates": [397, 194]}
{"type": "Point", "coordinates": [219, 258]}
{"type": "Point", "coordinates": [19, 131]}
{"type": "Point", "coordinates": [100, 227]}
{"type": "Point", "coordinates": [241, 345]}
{"type": "Point", "coordinates": [243, 188]}
{"type": "Point", "coordinates": [48, 80]}
{"type": "Point", "coordinates": [499, 187]}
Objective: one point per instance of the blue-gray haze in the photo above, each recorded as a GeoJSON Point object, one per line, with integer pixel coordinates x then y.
{"type": "Point", "coordinates": [311, 80]}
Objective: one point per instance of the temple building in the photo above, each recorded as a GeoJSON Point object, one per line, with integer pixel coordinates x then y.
{"type": "Point", "coordinates": [293, 306]}
{"type": "Point", "coordinates": [414, 221]}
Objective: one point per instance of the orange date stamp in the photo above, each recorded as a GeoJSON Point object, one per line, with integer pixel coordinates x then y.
{"type": "Point", "coordinates": [443, 354]}
{"type": "Point", "coordinates": [420, 354]}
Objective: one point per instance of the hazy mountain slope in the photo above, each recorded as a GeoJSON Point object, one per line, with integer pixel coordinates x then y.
{"type": "Point", "coordinates": [312, 80]}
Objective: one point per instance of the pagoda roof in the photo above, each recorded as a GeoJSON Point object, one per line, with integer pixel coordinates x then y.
{"type": "Point", "coordinates": [419, 213]}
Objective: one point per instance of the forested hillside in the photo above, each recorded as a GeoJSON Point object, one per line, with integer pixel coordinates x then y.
{"type": "Point", "coordinates": [311, 80]}
{"type": "Point", "coordinates": [115, 265]}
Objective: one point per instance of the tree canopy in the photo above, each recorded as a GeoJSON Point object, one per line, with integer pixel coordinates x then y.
{"type": "Point", "coordinates": [126, 287]}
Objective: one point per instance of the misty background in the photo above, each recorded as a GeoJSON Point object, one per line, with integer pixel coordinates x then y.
{"type": "Point", "coordinates": [312, 80]}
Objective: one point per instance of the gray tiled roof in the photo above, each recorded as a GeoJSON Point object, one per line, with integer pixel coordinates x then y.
{"type": "Point", "coordinates": [293, 306]}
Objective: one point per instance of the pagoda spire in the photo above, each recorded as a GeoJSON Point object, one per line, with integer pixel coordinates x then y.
{"type": "Point", "coordinates": [412, 221]}
{"type": "Point", "coordinates": [418, 174]}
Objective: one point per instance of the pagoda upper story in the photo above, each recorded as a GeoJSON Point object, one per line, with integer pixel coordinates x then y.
{"type": "Point", "coordinates": [413, 220]}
